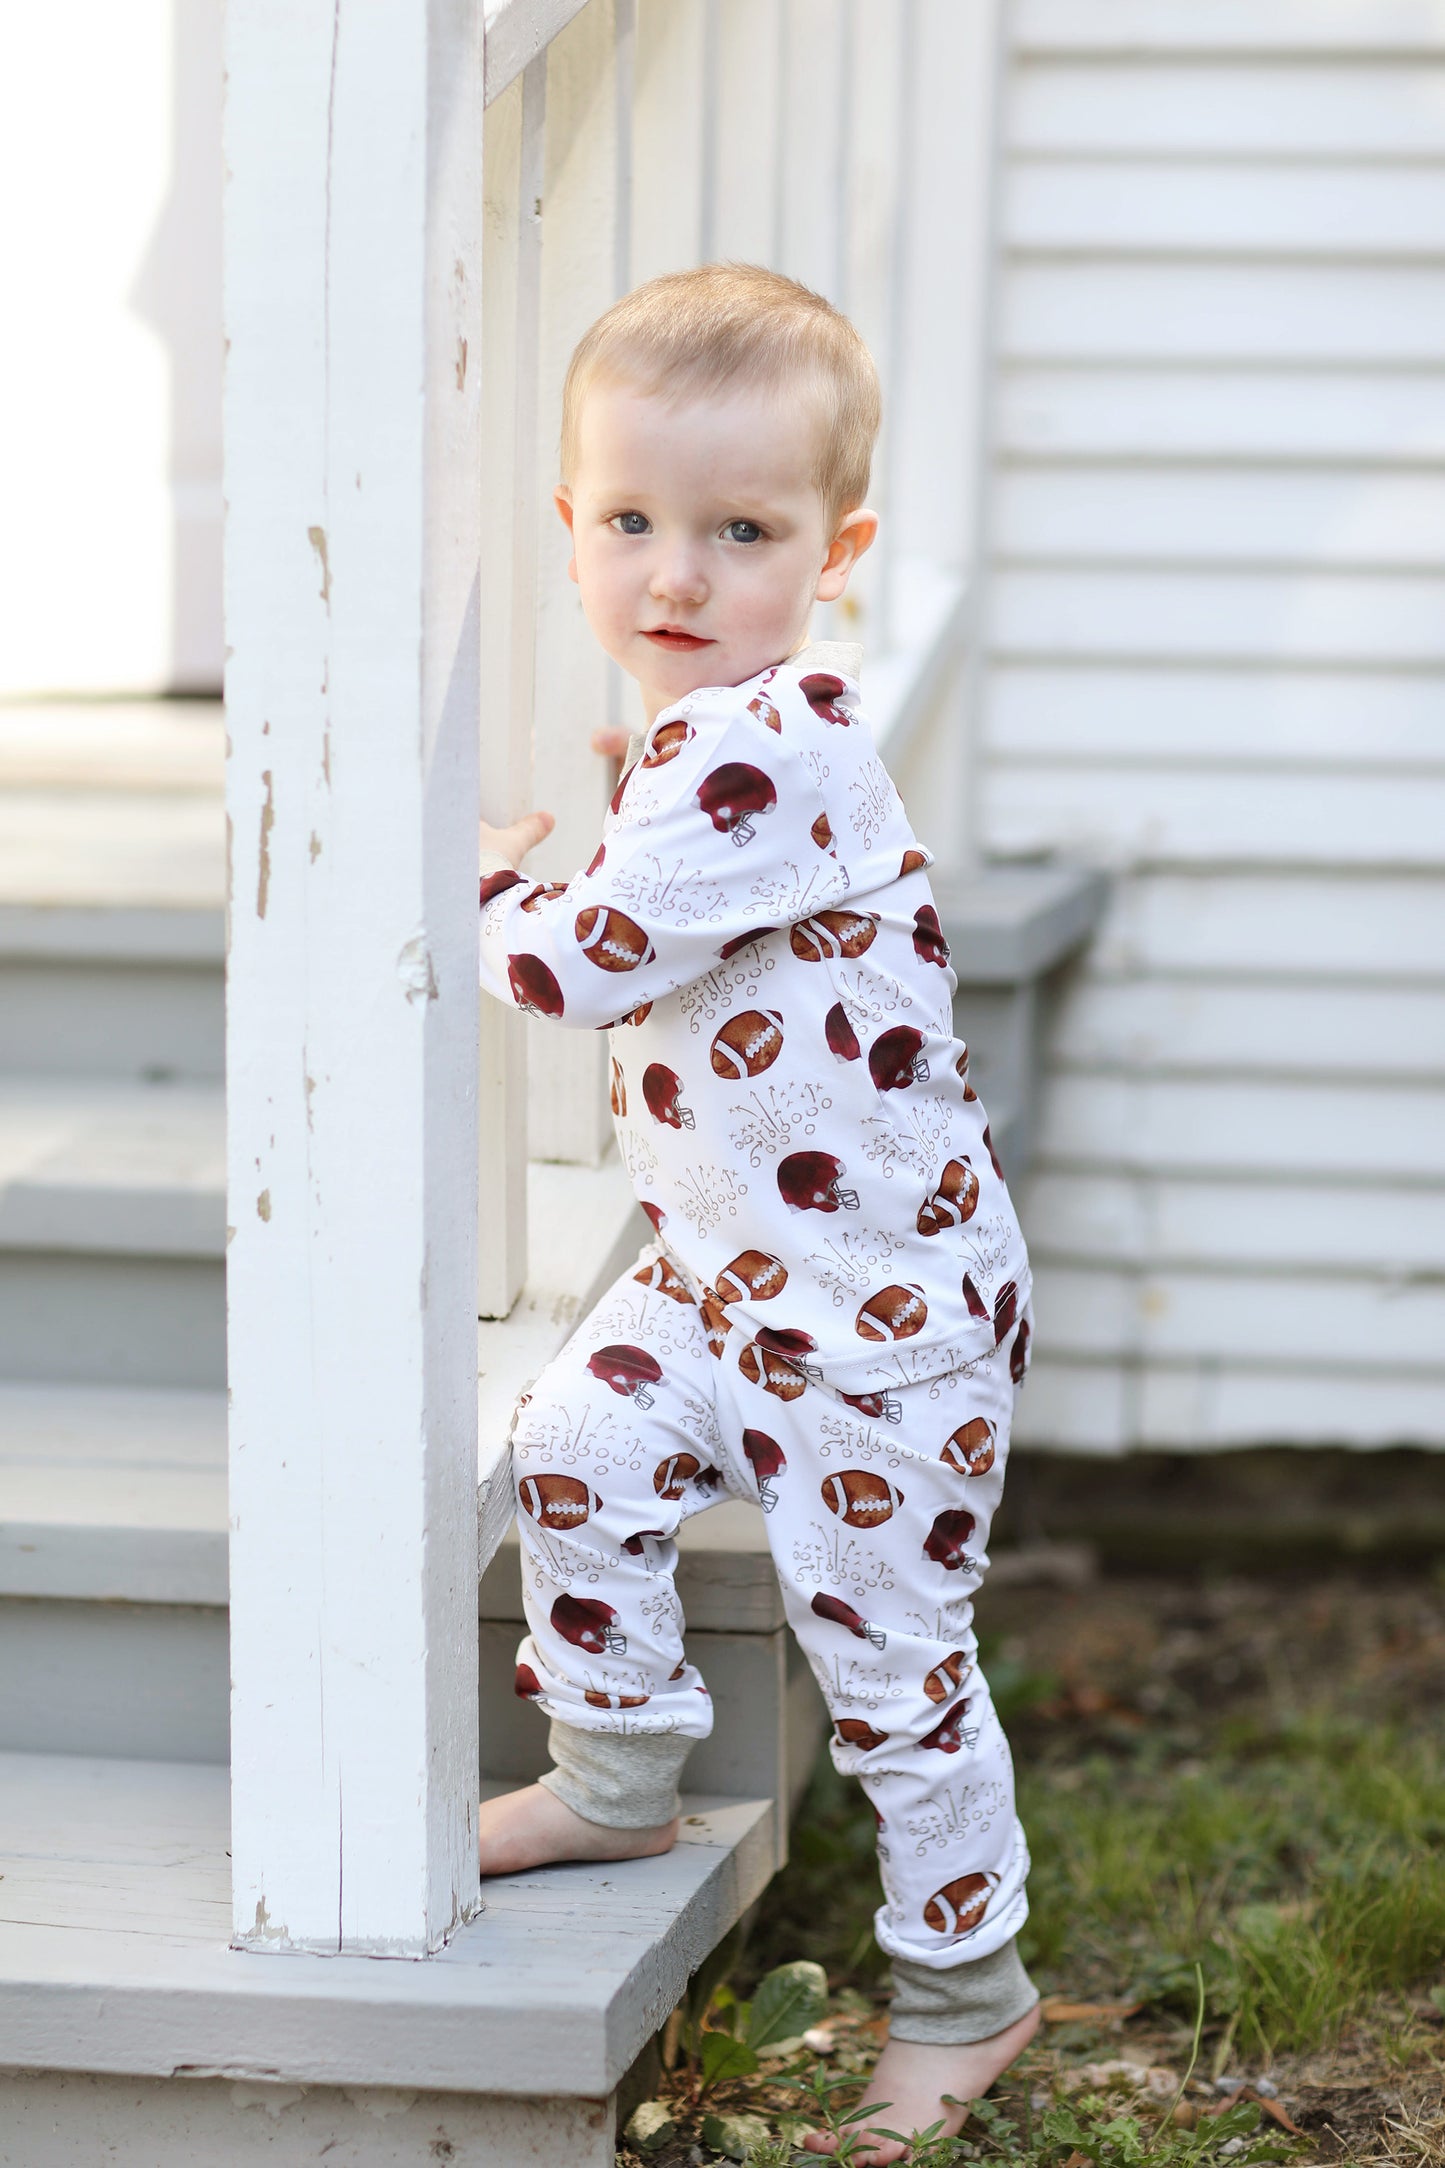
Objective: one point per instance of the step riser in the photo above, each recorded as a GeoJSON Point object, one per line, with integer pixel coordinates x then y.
{"type": "Point", "coordinates": [55, 2119]}
{"type": "Point", "coordinates": [111, 1019]}
{"type": "Point", "coordinates": [112, 1319]}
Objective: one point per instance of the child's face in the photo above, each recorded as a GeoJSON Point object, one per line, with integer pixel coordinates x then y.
{"type": "Point", "coordinates": [699, 541]}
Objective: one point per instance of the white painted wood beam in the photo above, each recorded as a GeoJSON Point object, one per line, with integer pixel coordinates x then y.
{"type": "Point", "coordinates": [354, 208]}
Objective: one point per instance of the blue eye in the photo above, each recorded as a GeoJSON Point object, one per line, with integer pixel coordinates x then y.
{"type": "Point", "coordinates": [631, 523]}
{"type": "Point", "coordinates": [753, 532]}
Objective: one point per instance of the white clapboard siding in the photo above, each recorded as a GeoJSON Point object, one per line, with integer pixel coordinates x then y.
{"type": "Point", "coordinates": [1213, 659]}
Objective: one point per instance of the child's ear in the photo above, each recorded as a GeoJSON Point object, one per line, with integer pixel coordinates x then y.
{"type": "Point", "coordinates": [855, 533]}
{"type": "Point", "coordinates": [562, 498]}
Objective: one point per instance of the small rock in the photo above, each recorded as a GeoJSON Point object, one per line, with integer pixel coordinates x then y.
{"type": "Point", "coordinates": [650, 2124]}
{"type": "Point", "coordinates": [1266, 2089]}
{"type": "Point", "coordinates": [1229, 2085]}
{"type": "Point", "coordinates": [1231, 2146]}
{"type": "Point", "coordinates": [1039, 2101]}
{"type": "Point", "coordinates": [819, 2038]}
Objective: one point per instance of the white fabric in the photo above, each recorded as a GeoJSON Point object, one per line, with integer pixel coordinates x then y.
{"type": "Point", "coordinates": [792, 1104]}
{"type": "Point", "coordinates": [877, 1518]}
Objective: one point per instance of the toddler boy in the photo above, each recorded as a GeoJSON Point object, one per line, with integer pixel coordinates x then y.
{"type": "Point", "coordinates": [833, 1320]}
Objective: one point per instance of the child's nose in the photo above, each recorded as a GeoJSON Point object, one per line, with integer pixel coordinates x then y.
{"type": "Point", "coordinates": [678, 576]}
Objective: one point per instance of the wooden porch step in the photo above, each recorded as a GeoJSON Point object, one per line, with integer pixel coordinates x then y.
{"type": "Point", "coordinates": [114, 1924]}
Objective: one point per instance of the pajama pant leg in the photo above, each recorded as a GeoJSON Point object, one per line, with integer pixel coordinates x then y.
{"type": "Point", "coordinates": [613, 1449]}
{"type": "Point", "coordinates": [878, 1530]}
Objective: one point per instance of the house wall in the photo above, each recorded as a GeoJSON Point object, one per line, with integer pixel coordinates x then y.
{"type": "Point", "coordinates": [1213, 633]}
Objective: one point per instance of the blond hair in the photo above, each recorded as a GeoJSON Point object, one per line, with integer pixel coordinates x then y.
{"type": "Point", "coordinates": [690, 333]}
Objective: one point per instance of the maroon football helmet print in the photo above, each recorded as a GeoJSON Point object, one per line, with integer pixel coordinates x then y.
{"type": "Point", "coordinates": [854, 1731]}
{"type": "Point", "coordinates": [525, 1683]}
{"type": "Point", "coordinates": [896, 1059]}
{"type": "Point", "coordinates": [977, 1307]}
{"type": "Point", "coordinates": [768, 1461]}
{"type": "Point", "coordinates": [821, 691]}
{"type": "Point", "coordinates": [842, 1038]}
{"type": "Point", "coordinates": [747, 1044]}
{"type": "Point", "coordinates": [1005, 1310]}
{"type": "Point", "coordinates": [859, 1497]}
{"type": "Point", "coordinates": [954, 1201]}
{"type": "Point", "coordinates": [533, 986]}
{"type": "Point", "coordinates": [946, 1678]}
{"type": "Point", "coordinates": [830, 934]}
{"type": "Point", "coordinates": [1018, 1354]}
{"type": "Point", "coordinates": [787, 1341]}
{"type": "Point", "coordinates": [928, 942]}
{"type": "Point", "coordinates": [667, 742]}
{"type": "Point", "coordinates": [496, 884]}
{"type": "Point", "coordinates": [971, 1448]}
{"type": "Point", "coordinates": [660, 1089]}
{"type": "Point", "coordinates": [628, 1370]}
{"type": "Point", "coordinates": [615, 805]}
{"type": "Point", "coordinates": [874, 1405]}
{"type": "Point", "coordinates": [843, 1614]}
{"type": "Point", "coordinates": [892, 1313]}
{"type": "Point", "coordinates": [597, 858]}
{"type": "Point", "coordinates": [612, 940]}
{"type": "Point", "coordinates": [655, 1213]}
{"type": "Point", "coordinates": [959, 1906]}
{"type": "Point", "coordinates": [753, 1276]}
{"type": "Point", "coordinates": [947, 1540]}
{"type": "Point", "coordinates": [808, 1182]}
{"type": "Point", "coordinates": [993, 1155]}
{"type": "Point", "coordinates": [734, 796]}
{"type": "Point", "coordinates": [946, 1736]}
{"type": "Point", "coordinates": [588, 1624]}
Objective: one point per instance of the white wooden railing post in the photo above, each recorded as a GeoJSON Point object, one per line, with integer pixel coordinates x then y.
{"type": "Point", "coordinates": [354, 209]}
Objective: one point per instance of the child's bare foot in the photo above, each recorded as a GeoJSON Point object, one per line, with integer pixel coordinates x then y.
{"type": "Point", "coordinates": [913, 2079]}
{"type": "Point", "coordinates": [532, 1828]}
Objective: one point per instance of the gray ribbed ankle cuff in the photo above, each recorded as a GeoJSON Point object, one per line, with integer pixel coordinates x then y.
{"type": "Point", "coordinates": [622, 1781]}
{"type": "Point", "coordinates": [972, 2001]}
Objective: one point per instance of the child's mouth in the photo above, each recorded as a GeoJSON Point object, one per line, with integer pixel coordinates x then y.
{"type": "Point", "coordinates": [680, 642]}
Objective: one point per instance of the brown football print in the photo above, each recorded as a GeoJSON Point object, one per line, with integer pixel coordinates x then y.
{"type": "Point", "coordinates": [970, 1450]}
{"type": "Point", "coordinates": [946, 1736]}
{"type": "Point", "coordinates": [859, 1497]}
{"type": "Point", "coordinates": [639, 1015]}
{"type": "Point", "coordinates": [597, 1700]}
{"type": "Point", "coordinates": [959, 1906]}
{"type": "Point", "coordinates": [842, 1038]}
{"type": "Point", "coordinates": [496, 884]}
{"type": "Point", "coordinates": [1018, 1354]}
{"type": "Point", "coordinates": [947, 1540]}
{"type": "Point", "coordinates": [1005, 1310]}
{"type": "Point", "coordinates": [615, 803]}
{"type": "Point", "coordinates": [753, 1276]}
{"type": "Point", "coordinates": [961, 1065]}
{"type": "Point", "coordinates": [533, 986]}
{"type": "Point", "coordinates": [843, 1614]}
{"type": "Point", "coordinates": [822, 833]}
{"type": "Point", "coordinates": [765, 712]}
{"type": "Point", "coordinates": [830, 934]}
{"type": "Point", "coordinates": [667, 742]}
{"type": "Point", "coordinates": [954, 1201]}
{"type": "Point", "coordinates": [672, 1473]}
{"type": "Point", "coordinates": [747, 1043]}
{"type": "Point", "coordinates": [945, 1678]}
{"type": "Point", "coordinates": [977, 1307]}
{"type": "Point", "coordinates": [854, 1732]}
{"type": "Point", "coordinates": [715, 1323]}
{"type": "Point", "coordinates": [734, 796]}
{"type": "Point", "coordinates": [912, 862]}
{"type": "Point", "coordinates": [660, 1276]}
{"type": "Point", "coordinates": [543, 892]}
{"type": "Point", "coordinates": [556, 1501]}
{"type": "Point", "coordinates": [896, 1059]}
{"type": "Point", "coordinates": [808, 1182]}
{"type": "Point", "coordinates": [628, 1370]}
{"type": "Point", "coordinates": [612, 940]}
{"type": "Point", "coordinates": [753, 935]}
{"type": "Point", "coordinates": [893, 1313]}
{"type": "Point", "coordinates": [588, 1624]}
{"type": "Point", "coordinates": [993, 1155]}
{"type": "Point", "coordinates": [619, 1091]}
{"type": "Point", "coordinates": [761, 1367]}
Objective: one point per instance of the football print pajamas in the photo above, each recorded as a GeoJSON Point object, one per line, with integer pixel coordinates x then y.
{"type": "Point", "coordinates": [834, 1318]}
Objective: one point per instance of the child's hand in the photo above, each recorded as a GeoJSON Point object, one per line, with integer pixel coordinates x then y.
{"type": "Point", "coordinates": [514, 842]}
{"type": "Point", "coordinates": [610, 742]}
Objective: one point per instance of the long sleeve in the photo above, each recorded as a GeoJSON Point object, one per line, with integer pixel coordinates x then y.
{"type": "Point", "coordinates": [717, 835]}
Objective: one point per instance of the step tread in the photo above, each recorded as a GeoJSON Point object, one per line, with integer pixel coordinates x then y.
{"type": "Point", "coordinates": [115, 1912]}
{"type": "Point", "coordinates": [105, 1164]}
{"type": "Point", "coordinates": [87, 745]}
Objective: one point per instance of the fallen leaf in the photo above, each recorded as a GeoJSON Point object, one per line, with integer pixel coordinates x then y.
{"type": "Point", "coordinates": [1276, 2114]}
{"type": "Point", "coordinates": [1055, 2010]}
